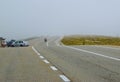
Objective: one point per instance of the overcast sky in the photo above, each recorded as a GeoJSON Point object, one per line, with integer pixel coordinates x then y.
{"type": "Point", "coordinates": [27, 18]}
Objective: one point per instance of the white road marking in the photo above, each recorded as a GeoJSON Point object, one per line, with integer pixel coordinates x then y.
{"type": "Point", "coordinates": [39, 54]}
{"type": "Point", "coordinates": [64, 78]}
{"type": "Point", "coordinates": [53, 68]}
{"type": "Point", "coordinates": [117, 59]}
{"type": "Point", "coordinates": [57, 42]}
{"type": "Point", "coordinates": [46, 61]}
{"type": "Point", "coordinates": [41, 57]}
{"type": "Point", "coordinates": [35, 51]}
{"type": "Point", "coordinates": [47, 44]}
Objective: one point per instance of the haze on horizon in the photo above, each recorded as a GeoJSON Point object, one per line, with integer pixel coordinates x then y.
{"type": "Point", "coordinates": [27, 18]}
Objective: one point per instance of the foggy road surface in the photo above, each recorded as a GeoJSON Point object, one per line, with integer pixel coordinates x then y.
{"type": "Point", "coordinates": [22, 64]}
{"type": "Point", "coordinates": [53, 62]}
{"type": "Point", "coordinates": [82, 63]}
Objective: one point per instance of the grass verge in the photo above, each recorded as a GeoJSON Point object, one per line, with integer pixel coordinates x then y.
{"type": "Point", "coordinates": [90, 40]}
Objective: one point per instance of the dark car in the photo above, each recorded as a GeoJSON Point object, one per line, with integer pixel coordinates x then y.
{"type": "Point", "coordinates": [9, 44]}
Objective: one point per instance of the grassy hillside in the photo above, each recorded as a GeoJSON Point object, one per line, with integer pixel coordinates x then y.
{"type": "Point", "coordinates": [91, 40]}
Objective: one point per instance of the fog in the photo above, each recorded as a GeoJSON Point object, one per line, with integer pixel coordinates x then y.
{"type": "Point", "coordinates": [28, 18]}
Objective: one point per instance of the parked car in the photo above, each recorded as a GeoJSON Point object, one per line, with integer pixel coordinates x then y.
{"type": "Point", "coordinates": [20, 44]}
{"type": "Point", "coordinates": [3, 43]}
{"type": "Point", "coordinates": [9, 44]}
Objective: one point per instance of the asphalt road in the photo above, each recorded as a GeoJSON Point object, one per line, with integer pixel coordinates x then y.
{"type": "Point", "coordinates": [22, 64]}
{"type": "Point", "coordinates": [82, 63]}
{"type": "Point", "coordinates": [77, 63]}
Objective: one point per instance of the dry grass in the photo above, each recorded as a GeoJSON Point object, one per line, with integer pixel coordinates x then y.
{"type": "Point", "coordinates": [91, 40]}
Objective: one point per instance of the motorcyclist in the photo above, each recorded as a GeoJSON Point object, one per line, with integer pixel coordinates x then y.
{"type": "Point", "coordinates": [45, 40]}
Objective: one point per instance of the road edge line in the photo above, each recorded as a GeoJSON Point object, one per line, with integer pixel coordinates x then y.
{"type": "Point", "coordinates": [113, 58]}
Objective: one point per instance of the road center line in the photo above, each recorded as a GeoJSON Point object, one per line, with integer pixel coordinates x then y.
{"type": "Point", "coordinates": [46, 61]}
{"type": "Point", "coordinates": [63, 77]}
{"type": "Point", "coordinates": [41, 57]}
{"type": "Point", "coordinates": [117, 59]}
{"type": "Point", "coordinates": [53, 68]}
{"type": "Point", "coordinates": [39, 54]}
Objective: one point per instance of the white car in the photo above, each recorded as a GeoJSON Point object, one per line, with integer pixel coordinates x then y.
{"type": "Point", "coordinates": [20, 44]}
